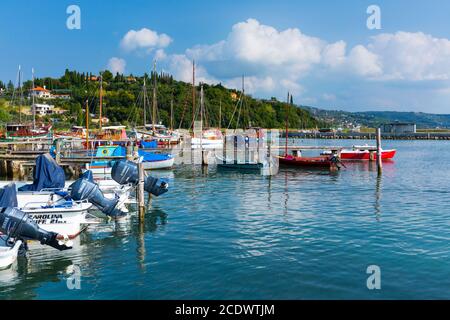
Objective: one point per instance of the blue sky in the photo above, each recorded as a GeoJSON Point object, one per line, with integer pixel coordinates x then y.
{"type": "Point", "coordinates": [320, 50]}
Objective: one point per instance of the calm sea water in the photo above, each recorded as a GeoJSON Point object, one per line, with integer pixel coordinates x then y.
{"type": "Point", "coordinates": [299, 235]}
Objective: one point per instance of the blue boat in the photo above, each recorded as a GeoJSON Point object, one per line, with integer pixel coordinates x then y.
{"type": "Point", "coordinates": [150, 160]}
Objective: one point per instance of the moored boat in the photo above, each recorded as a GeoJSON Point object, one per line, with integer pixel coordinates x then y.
{"type": "Point", "coordinates": [325, 162]}
{"type": "Point", "coordinates": [363, 153]}
{"type": "Point", "coordinates": [8, 252]}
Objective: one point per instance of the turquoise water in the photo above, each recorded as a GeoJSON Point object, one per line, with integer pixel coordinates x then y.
{"type": "Point", "coordinates": [298, 235]}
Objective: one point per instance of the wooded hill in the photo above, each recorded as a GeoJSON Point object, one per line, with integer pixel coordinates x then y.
{"type": "Point", "coordinates": [123, 102]}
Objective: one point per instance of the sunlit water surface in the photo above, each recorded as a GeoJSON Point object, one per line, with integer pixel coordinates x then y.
{"type": "Point", "coordinates": [298, 235]}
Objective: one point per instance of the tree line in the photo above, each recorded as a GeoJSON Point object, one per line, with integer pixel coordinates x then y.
{"type": "Point", "coordinates": [123, 102]}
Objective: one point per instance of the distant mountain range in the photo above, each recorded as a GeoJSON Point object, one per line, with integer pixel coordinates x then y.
{"type": "Point", "coordinates": [375, 118]}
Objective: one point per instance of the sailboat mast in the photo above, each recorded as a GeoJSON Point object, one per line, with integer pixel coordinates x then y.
{"type": "Point", "coordinates": [287, 125]}
{"type": "Point", "coordinates": [193, 94]}
{"type": "Point", "coordinates": [101, 101]}
{"type": "Point", "coordinates": [154, 98]}
{"type": "Point", "coordinates": [33, 107]}
{"type": "Point", "coordinates": [171, 114]}
{"type": "Point", "coordinates": [20, 92]}
{"type": "Point", "coordinates": [201, 117]}
{"type": "Point", "coordinates": [144, 91]}
{"type": "Point", "coordinates": [87, 124]}
{"type": "Point", "coordinates": [220, 114]}
{"type": "Point", "coordinates": [243, 99]}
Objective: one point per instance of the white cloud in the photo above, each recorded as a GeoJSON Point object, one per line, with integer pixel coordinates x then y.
{"type": "Point", "coordinates": [145, 39]}
{"type": "Point", "coordinates": [400, 65]}
{"type": "Point", "coordinates": [116, 65]}
{"type": "Point", "coordinates": [181, 68]}
{"type": "Point", "coordinates": [412, 56]}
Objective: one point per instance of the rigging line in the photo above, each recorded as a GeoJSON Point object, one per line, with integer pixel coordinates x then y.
{"type": "Point", "coordinates": [235, 108]}
{"type": "Point", "coordinates": [182, 115]}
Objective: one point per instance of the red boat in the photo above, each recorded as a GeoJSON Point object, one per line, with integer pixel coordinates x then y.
{"type": "Point", "coordinates": [363, 153]}
{"type": "Point", "coordinates": [311, 162]}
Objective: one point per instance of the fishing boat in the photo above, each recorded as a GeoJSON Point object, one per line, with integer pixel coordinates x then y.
{"type": "Point", "coordinates": [8, 252]}
{"type": "Point", "coordinates": [363, 153]}
{"type": "Point", "coordinates": [329, 161]}
{"type": "Point", "coordinates": [26, 132]}
{"type": "Point", "coordinates": [311, 162]}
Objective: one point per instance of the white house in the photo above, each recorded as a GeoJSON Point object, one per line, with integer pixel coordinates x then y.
{"type": "Point", "coordinates": [41, 92]}
{"type": "Point", "coordinates": [43, 109]}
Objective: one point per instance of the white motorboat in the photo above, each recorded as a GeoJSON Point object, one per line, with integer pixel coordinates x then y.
{"type": "Point", "coordinates": [8, 253]}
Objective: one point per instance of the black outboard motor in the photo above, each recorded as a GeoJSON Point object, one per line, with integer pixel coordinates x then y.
{"type": "Point", "coordinates": [84, 189]}
{"type": "Point", "coordinates": [17, 224]}
{"type": "Point", "coordinates": [124, 172]}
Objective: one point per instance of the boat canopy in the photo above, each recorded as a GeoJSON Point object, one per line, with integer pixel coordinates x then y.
{"type": "Point", "coordinates": [151, 156]}
{"type": "Point", "coordinates": [8, 196]}
{"type": "Point", "coordinates": [111, 151]}
{"type": "Point", "coordinates": [47, 174]}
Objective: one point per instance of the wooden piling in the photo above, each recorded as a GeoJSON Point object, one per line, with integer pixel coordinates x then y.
{"type": "Point", "coordinates": [141, 198]}
{"type": "Point", "coordinates": [379, 152]}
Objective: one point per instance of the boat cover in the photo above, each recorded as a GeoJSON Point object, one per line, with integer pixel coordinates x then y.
{"type": "Point", "coordinates": [8, 196]}
{"type": "Point", "coordinates": [150, 156]}
{"type": "Point", "coordinates": [88, 175]}
{"type": "Point", "coordinates": [149, 144]}
{"type": "Point", "coordinates": [47, 174]}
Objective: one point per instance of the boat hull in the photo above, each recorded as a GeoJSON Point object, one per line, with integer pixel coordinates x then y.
{"type": "Point", "coordinates": [308, 162]}
{"type": "Point", "coordinates": [365, 155]}
{"type": "Point", "coordinates": [162, 164]}
{"type": "Point", "coordinates": [68, 220]}
{"type": "Point", "coordinates": [8, 255]}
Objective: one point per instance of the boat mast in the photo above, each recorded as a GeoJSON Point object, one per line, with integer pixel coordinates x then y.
{"type": "Point", "coordinates": [101, 101]}
{"type": "Point", "coordinates": [201, 116]}
{"type": "Point", "coordinates": [220, 114]}
{"type": "Point", "coordinates": [21, 94]}
{"type": "Point", "coordinates": [154, 97]}
{"type": "Point", "coordinates": [32, 96]}
{"type": "Point", "coordinates": [87, 123]}
{"type": "Point", "coordinates": [243, 99]}
{"type": "Point", "coordinates": [193, 94]}
{"type": "Point", "coordinates": [287, 125]}
{"type": "Point", "coordinates": [171, 114]}
{"type": "Point", "coordinates": [144, 90]}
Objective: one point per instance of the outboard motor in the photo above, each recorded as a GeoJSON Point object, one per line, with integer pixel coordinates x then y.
{"type": "Point", "coordinates": [125, 172]}
{"type": "Point", "coordinates": [17, 224]}
{"type": "Point", "coordinates": [84, 189]}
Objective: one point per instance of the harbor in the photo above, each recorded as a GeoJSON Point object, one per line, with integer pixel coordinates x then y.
{"type": "Point", "coordinates": [224, 160]}
{"type": "Point", "coordinates": [214, 228]}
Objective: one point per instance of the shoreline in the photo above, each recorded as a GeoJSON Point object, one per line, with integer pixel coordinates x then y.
{"type": "Point", "coordinates": [368, 136]}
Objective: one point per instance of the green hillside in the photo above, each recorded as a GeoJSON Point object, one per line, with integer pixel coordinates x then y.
{"type": "Point", "coordinates": [123, 102]}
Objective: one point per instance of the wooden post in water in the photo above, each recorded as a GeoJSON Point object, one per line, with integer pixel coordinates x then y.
{"type": "Point", "coordinates": [141, 199]}
{"type": "Point", "coordinates": [379, 152]}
